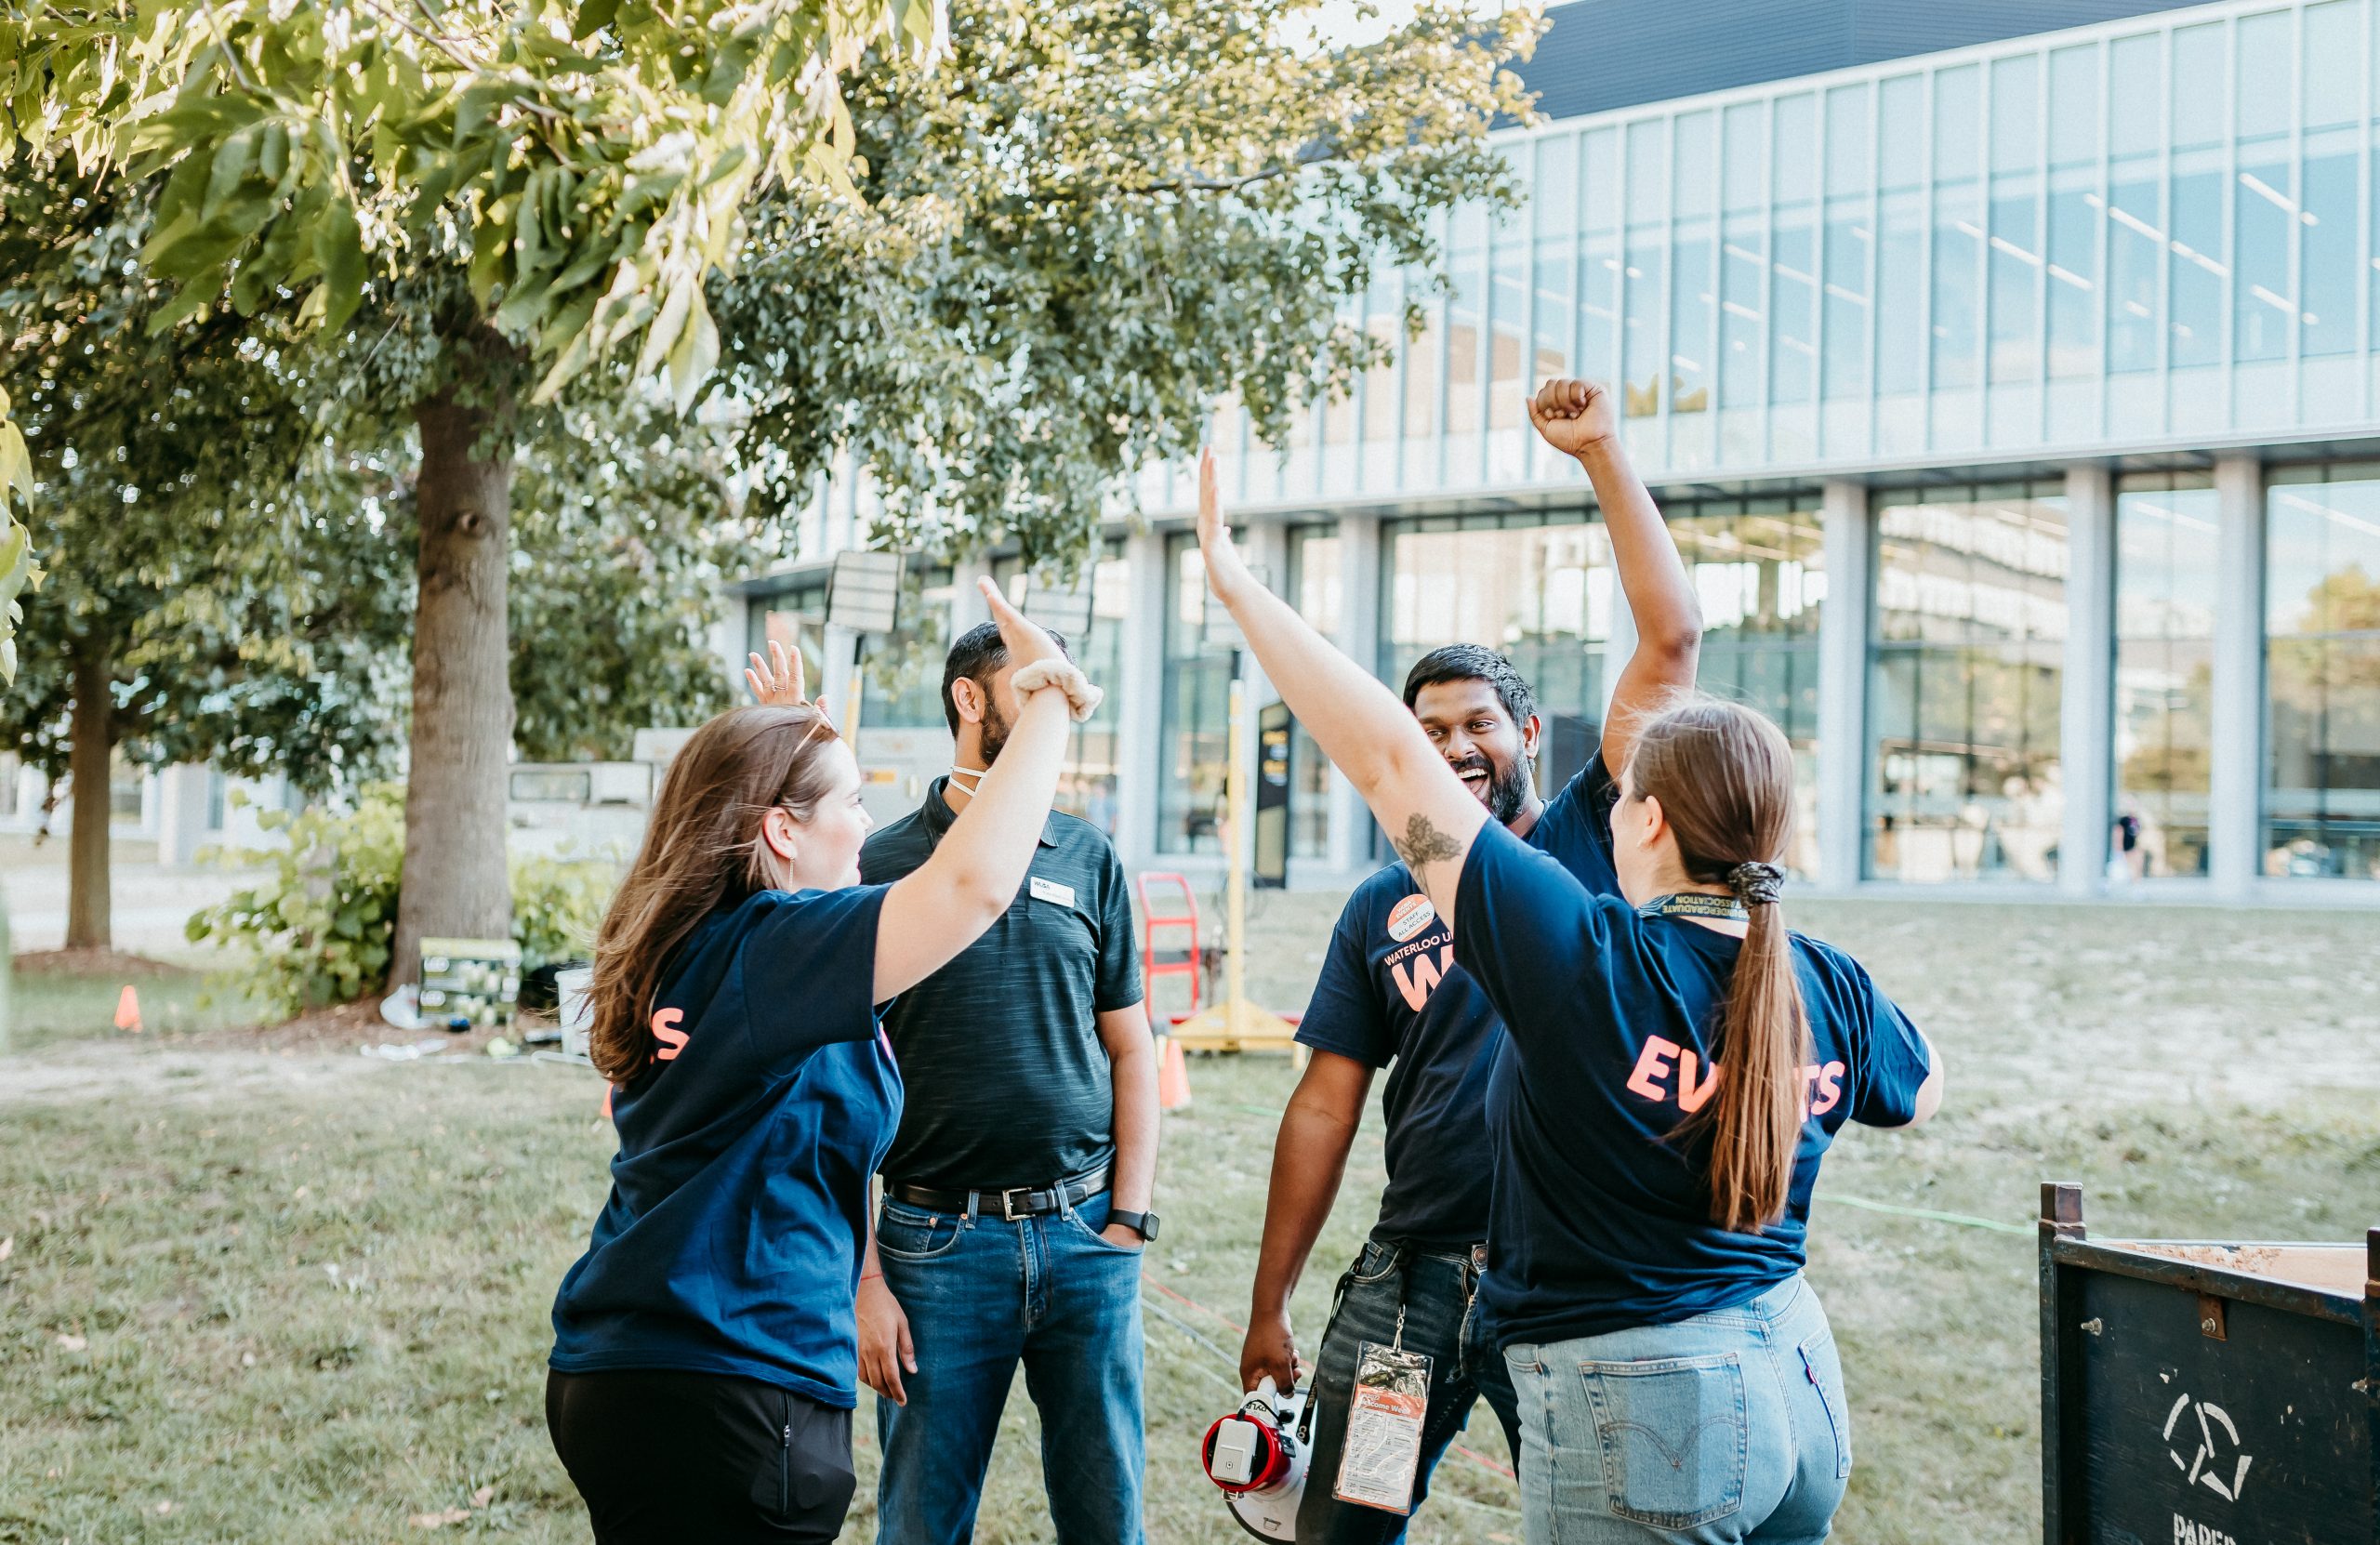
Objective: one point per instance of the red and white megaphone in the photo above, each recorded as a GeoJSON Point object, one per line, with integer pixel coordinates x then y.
{"type": "Point", "coordinates": [1258, 1456]}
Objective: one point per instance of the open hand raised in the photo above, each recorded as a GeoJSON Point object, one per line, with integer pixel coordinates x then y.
{"type": "Point", "coordinates": [776, 682]}
{"type": "Point", "coordinates": [1225, 571]}
{"type": "Point", "coordinates": [1025, 640]}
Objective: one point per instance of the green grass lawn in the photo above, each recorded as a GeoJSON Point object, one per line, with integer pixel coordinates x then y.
{"type": "Point", "coordinates": [48, 1007]}
{"type": "Point", "coordinates": [261, 1295]}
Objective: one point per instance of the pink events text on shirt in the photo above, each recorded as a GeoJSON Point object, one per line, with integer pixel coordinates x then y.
{"type": "Point", "coordinates": [1663, 1061]}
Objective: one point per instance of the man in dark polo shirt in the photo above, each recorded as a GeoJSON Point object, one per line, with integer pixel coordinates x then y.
{"type": "Point", "coordinates": [1390, 996]}
{"type": "Point", "coordinates": [1016, 1192]}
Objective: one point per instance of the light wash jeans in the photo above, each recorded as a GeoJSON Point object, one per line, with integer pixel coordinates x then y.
{"type": "Point", "coordinates": [983, 1295]}
{"type": "Point", "coordinates": [1727, 1428]}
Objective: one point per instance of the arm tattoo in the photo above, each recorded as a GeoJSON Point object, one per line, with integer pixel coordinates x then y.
{"type": "Point", "coordinates": [1424, 844]}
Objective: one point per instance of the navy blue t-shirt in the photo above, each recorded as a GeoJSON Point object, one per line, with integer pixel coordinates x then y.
{"type": "Point", "coordinates": [1391, 995]}
{"type": "Point", "coordinates": [1600, 1219]}
{"type": "Point", "coordinates": [731, 1242]}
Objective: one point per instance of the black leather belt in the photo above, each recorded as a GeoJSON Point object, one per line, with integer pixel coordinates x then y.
{"type": "Point", "coordinates": [1020, 1201]}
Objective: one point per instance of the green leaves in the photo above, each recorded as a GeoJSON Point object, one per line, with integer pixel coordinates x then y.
{"type": "Point", "coordinates": [624, 528]}
{"type": "Point", "coordinates": [338, 248]}
{"type": "Point", "coordinates": [304, 146]}
{"type": "Point", "coordinates": [1087, 226]}
{"type": "Point", "coordinates": [206, 547]}
{"type": "Point", "coordinates": [693, 356]}
{"type": "Point", "coordinates": [319, 925]}
{"type": "Point", "coordinates": [1083, 225]}
{"type": "Point", "coordinates": [18, 570]}
{"type": "Point", "coordinates": [396, 138]}
{"type": "Point", "coordinates": [593, 16]}
{"type": "Point", "coordinates": [16, 465]}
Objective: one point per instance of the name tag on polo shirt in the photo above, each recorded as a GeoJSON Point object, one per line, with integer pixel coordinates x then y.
{"type": "Point", "coordinates": [1050, 891]}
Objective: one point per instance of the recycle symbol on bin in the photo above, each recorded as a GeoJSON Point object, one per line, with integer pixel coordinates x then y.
{"type": "Point", "coordinates": [2205, 1467]}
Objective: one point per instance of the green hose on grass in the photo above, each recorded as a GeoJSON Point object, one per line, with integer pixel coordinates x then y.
{"type": "Point", "coordinates": [1963, 1220]}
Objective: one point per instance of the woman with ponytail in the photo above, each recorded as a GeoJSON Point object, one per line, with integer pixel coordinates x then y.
{"type": "Point", "coordinates": [705, 1358]}
{"type": "Point", "coordinates": [1674, 1066]}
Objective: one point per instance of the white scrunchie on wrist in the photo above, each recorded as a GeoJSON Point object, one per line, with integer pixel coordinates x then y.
{"type": "Point", "coordinates": [1082, 698]}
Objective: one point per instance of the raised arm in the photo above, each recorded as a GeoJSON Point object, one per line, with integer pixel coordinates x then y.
{"type": "Point", "coordinates": [1429, 817]}
{"type": "Point", "coordinates": [946, 902]}
{"type": "Point", "coordinates": [1578, 418]}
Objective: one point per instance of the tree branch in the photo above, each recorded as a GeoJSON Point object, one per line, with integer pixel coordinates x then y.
{"type": "Point", "coordinates": [443, 46]}
{"type": "Point", "coordinates": [238, 72]}
{"type": "Point", "coordinates": [1197, 182]}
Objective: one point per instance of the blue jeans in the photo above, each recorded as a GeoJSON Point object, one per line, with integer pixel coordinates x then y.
{"type": "Point", "coordinates": [982, 1295]}
{"type": "Point", "coordinates": [1730, 1427]}
{"type": "Point", "coordinates": [1438, 1294]}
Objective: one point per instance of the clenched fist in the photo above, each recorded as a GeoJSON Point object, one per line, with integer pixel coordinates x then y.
{"type": "Point", "coordinates": [1575, 416]}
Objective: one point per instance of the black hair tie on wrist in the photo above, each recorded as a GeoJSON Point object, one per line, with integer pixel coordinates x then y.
{"type": "Point", "coordinates": [1757, 884]}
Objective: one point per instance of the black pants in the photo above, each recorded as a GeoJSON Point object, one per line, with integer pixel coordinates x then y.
{"type": "Point", "coordinates": [668, 1457]}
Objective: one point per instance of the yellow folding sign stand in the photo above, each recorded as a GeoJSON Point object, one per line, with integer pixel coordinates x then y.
{"type": "Point", "coordinates": [1235, 1025]}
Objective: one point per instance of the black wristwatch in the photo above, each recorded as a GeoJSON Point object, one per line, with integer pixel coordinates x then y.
{"type": "Point", "coordinates": [1142, 1224]}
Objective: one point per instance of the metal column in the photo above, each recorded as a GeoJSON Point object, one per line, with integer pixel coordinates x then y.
{"type": "Point", "coordinates": [1360, 557]}
{"type": "Point", "coordinates": [2235, 775]}
{"type": "Point", "coordinates": [1618, 645]}
{"type": "Point", "coordinates": [2086, 723]}
{"type": "Point", "coordinates": [1137, 710]}
{"type": "Point", "coordinates": [1266, 545]}
{"type": "Point", "coordinates": [1843, 683]}
{"type": "Point", "coordinates": [967, 606]}
{"type": "Point", "coordinates": [838, 673]}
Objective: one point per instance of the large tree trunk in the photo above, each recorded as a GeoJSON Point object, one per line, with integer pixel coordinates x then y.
{"type": "Point", "coordinates": [89, 760]}
{"type": "Point", "coordinates": [455, 881]}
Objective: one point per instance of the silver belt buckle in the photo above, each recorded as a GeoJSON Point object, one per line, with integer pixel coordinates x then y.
{"type": "Point", "coordinates": [1009, 1204]}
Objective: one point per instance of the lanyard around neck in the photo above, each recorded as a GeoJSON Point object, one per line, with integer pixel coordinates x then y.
{"type": "Point", "coordinates": [1696, 903]}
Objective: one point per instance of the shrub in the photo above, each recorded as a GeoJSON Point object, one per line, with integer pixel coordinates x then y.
{"type": "Point", "coordinates": [557, 905]}
{"type": "Point", "coordinates": [321, 925]}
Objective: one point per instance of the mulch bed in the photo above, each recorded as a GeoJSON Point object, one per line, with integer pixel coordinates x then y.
{"type": "Point", "coordinates": [338, 1028]}
{"type": "Point", "coordinates": [347, 1026]}
{"type": "Point", "coordinates": [96, 962]}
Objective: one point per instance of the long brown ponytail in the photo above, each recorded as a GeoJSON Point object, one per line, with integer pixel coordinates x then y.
{"type": "Point", "coordinates": [702, 850]}
{"type": "Point", "coordinates": [1724, 778]}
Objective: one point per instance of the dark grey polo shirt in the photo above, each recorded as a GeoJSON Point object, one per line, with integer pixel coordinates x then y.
{"type": "Point", "coordinates": [1007, 1083]}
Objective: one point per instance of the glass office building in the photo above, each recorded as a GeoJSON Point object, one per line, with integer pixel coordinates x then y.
{"type": "Point", "coordinates": [2014, 407]}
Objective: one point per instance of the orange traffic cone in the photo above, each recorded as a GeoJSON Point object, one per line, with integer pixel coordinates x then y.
{"type": "Point", "coordinates": [1172, 1074]}
{"type": "Point", "coordinates": [127, 1010]}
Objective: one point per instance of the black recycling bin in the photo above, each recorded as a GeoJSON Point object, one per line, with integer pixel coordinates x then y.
{"type": "Point", "coordinates": [2203, 1393]}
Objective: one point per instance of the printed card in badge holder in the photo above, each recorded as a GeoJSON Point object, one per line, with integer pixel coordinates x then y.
{"type": "Point", "coordinates": [1383, 1449]}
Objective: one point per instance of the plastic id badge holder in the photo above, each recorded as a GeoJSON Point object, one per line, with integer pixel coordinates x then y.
{"type": "Point", "coordinates": [1383, 1449]}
